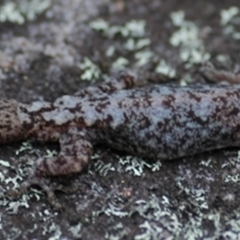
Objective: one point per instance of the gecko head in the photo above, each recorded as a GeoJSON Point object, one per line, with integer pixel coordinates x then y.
{"type": "Point", "coordinates": [12, 128]}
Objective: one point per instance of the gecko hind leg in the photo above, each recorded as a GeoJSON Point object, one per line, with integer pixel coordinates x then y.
{"type": "Point", "coordinates": [217, 75]}
{"type": "Point", "coordinates": [73, 157]}
{"type": "Point", "coordinates": [123, 80]}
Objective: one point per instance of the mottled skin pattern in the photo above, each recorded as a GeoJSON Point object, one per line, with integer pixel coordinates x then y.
{"type": "Point", "coordinates": [156, 122]}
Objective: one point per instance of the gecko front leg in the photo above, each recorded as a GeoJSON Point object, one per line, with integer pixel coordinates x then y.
{"type": "Point", "coordinates": [76, 150]}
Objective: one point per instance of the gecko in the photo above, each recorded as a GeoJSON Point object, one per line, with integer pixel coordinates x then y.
{"type": "Point", "coordinates": [153, 122]}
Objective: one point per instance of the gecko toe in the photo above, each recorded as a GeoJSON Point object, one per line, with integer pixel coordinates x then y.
{"type": "Point", "coordinates": [43, 183]}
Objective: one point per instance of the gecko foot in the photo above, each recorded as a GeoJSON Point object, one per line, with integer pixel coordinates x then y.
{"type": "Point", "coordinates": [215, 75]}
{"type": "Point", "coordinates": [43, 183]}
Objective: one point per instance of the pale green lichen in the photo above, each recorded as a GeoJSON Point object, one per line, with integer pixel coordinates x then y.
{"type": "Point", "coordinates": [90, 70]}
{"type": "Point", "coordinates": [232, 161]}
{"type": "Point", "coordinates": [133, 28]}
{"type": "Point", "coordinates": [196, 195]}
{"type": "Point", "coordinates": [136, 28]}
{"type": "Point", "coordinates": [76, 230]}
{"type": "Point", "coordinates": [165, 69]}
{"type": "Point", "coordinates": [228, 14]}
{"type": "Point", "coordinates": [136, 43]}
{"type": "Point", "coordinates": [24, 10]}
{"type": "Point", "coordinates": [143, 57]}
{"type": "Point", "coordinates": [232, 178]}
{"type": "Point", "coordinates": [230, 22]}
{"type": "Point", "coordinates": [222, 58]}
{"type": "Point", "coordinates": [102, 168]}
{"type": "Point", "coordinates": [24, 147]}
{"type": "Point", "coordinates": [133, 45]}
{"type": "Point", "coordinates": [51, 153]}
{"type": "Point", "coordinates": [13, 183]}
{"type": "Point", "coordinates": [232, 227]}
{"type": "Point", "coordinates": [206, 163]}
{"type": "Point", "coordinates": [120, 63]}
{"type": "Point", "coordinates": [135, 165]}
{"type": "Point", "coordinates": [4, 163]}
{"type": "Point", "coordinates": [150, 231]}
{"type": "Point", "coordinates": [13, 206]}
{"type": "Point", "coordinates": [9, 12]}
{"type": "Point", "coordinates": [54, 230]}
{"type": "Point", "coordinates": [99, 25]}
{"type": "Point", "coordinates": [110, 51]}
{"type": "Point", "coordinates": [159, 219]}
{"type": "Point", "coordinates": [187, 38]}
{"type": "Point", "coordinates": [113, 210]}
{"type": "Point", "coordinates": [119, 232]}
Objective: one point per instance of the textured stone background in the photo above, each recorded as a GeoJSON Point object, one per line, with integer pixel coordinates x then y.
{"type": "Point", "coordinates": [71, 44]}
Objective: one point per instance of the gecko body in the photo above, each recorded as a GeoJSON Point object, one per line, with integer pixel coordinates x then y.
{"type": "Point", "coordinates": [159, 122]}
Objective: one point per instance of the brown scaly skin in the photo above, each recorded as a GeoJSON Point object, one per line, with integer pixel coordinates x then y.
{"type": "Point", "coordinates": [156, 122]}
